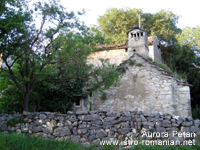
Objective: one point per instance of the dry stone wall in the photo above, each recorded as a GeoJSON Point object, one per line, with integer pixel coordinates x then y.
{"type": "Point", "coordinates": [91, 127]}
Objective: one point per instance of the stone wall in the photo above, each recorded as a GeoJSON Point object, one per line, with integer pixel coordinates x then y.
{"type": "Point", "coordinates": [145, 87]}
{"type": "Point", "coordinates": [89, 127]}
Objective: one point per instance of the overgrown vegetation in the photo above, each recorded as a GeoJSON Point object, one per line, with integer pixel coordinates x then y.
{"type": "Point", "coordinates": [103, 96]}
{"type": "Point", "coordinates": [45, 68]}
{"type": "Point", "coordinates": [12, 122]}
{"type": "Point", "coordinates": [132, 62]}
{"type": "Point", "coordinates": [163, 66]}
{"type": "Point", "coordinates": [196, 112]}
{"type": "Point", "coordinates": [150, 58]}
{"type": "Point", "coordinates": [166, 68]}
{"type": "Point", "coordinates": [138, 64]}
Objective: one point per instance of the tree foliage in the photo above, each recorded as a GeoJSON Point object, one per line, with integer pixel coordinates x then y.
{"type": "Point", "coordinates": [55, 53]}
{"type": "Point", "coordinates": [115, 23]}
{"type": "Point", "coordinates": [190, 37]}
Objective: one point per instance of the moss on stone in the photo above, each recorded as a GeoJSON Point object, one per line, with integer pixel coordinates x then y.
{"type": "Point", "coordinates": [132, 62]}
{"type": "Point", "coordinates": [12, 122]}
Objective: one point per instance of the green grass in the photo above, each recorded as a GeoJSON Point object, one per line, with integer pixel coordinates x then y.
{"type": "Point", "coordinates": [25, 142]}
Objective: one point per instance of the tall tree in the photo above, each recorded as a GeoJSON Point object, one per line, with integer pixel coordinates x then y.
{"type": "Point", "coordinates": [116, 22]}
{"type": "Point", "coordinates": [51, 52]}
{"type": "Point", "coordinates": [163, 25]}
{"type": "Point", "coordinates": [190, 38]}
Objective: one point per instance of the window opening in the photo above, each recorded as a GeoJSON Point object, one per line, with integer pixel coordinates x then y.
{"type": "Point", "coordinates": [141, 33]}
{"type": "Point", "coordinates": [78, 102]}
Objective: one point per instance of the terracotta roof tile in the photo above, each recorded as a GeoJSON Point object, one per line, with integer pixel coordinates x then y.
{"type": "Point", "coordinates": [122, 46]}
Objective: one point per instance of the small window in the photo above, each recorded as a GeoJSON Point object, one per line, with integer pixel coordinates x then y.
{"type": "Point", "coordinates": [134, 50]}
{"type": "Point", "coordinates": [78, 102]}
{"type": "Point", "coordinates": [138, 35]}
{"type": "Point", "coordinates": [141, 33]}
{"type": "Point", "coordinates": [134, 35]}
{"type": "Point", "coordinates": [131, 34]}
{"type": "Point", "coordinates": [126, 50]}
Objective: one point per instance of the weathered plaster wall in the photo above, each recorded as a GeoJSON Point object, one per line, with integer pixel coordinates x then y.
{"type": "Point", "coordinates": [154, 51]}
{"type": "Point", "coordinates": [89, 127]}
{"type": "Point", "coordinates": [115, 56]}
{"type": "Point", "coordinates": [151, 52]}
{"type": "Point", "coordinates": [146, 88]}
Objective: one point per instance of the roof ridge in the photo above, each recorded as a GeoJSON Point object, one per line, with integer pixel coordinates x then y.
{"type": "Point", "coordinates": [156, 65]}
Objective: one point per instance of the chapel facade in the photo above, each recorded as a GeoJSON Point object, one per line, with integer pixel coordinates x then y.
{"type": "Point", "coordinates": [144, 85]}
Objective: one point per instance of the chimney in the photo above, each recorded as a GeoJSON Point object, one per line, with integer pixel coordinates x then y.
{"type": "Point", "coordinates": [139, 19]}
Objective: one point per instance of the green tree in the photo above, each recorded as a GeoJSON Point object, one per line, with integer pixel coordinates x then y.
{"type": "Point", "coordinates": [115, 23]}
{"type": "Point", "coordinates": [51, 53]}
{"type": "Point", "coordinates": [12, 22]}
{"type": "Point", "coordinates": [190, 37]}
{"type": "Point", "coordinates": [163, 25]}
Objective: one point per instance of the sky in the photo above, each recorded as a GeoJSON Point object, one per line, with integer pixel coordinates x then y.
{"type": "Point", "coordinates": [188, 10]}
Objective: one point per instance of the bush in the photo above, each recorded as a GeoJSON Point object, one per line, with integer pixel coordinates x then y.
{"type": "Point", "coordinates": [196, 112]}
{"type": "Point", "coordinates": [12, 122]}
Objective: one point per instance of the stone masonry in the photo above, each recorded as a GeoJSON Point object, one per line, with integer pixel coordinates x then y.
{"type": "Point", "coordinates": [147, 87]}
{"type": "Point", "coordinates": [144, 85]}
{"type": "Point", "coordinates": [138, 42]}
{"type": "Point", "coordinates": [91, 127]}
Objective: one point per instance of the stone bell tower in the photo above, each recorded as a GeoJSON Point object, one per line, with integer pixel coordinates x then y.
{"type": "Point", "coordinates": [137, 42]}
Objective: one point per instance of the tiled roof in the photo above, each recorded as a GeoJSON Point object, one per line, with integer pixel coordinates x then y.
{"type": "Point", "coordinates": [122, 46]}
{"type": "Point", "coordinates": [112, 47]}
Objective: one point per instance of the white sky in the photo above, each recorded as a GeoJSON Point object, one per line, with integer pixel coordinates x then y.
{"type": "Point", "coordinates": [189, 10]}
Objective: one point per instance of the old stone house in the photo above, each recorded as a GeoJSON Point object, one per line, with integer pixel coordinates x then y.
{"type": "Point", "coordinates": [144, 85]}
